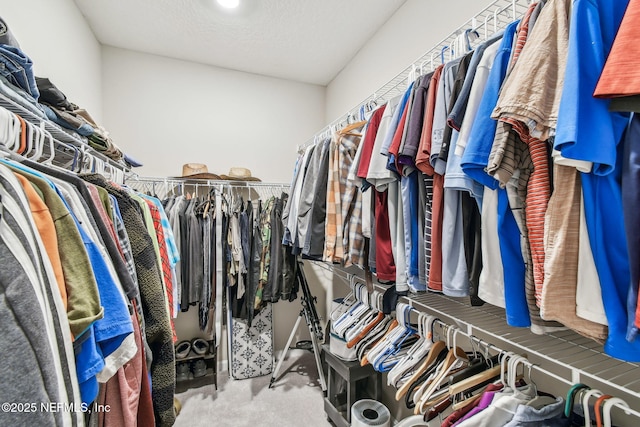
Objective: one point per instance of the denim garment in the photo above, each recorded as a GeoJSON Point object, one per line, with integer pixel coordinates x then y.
{"type": "Point", "coordinates": [630, 204]}
{"type": "Point", "coordinates": [84, 129]}
{"type": "Point", "coordinates": [18, 69]}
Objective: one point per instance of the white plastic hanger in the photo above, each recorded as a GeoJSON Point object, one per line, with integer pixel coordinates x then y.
{"type": "Point", "coordinates": [417, 352]}
{"type": "Point", "coordinates": [606, 409]}
{"type": "Point", "coordinates": [585, 404]}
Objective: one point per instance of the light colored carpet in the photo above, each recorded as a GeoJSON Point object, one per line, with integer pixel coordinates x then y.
{"type": "Point", "coordinates": [295, 399]}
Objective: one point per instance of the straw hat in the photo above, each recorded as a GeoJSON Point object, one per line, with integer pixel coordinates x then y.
{"type": "Point", "coordinates": [239, 174]}
{"type": "Point", "coordinates": [197, 171]}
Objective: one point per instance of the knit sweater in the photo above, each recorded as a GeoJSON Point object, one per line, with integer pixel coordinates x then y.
{"type": "Point", "coordinates": [156, 315]}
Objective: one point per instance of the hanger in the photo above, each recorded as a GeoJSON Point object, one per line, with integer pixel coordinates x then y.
{"type": "Point", "coordinates": [354, 337]}
{"type": "Point", "coordinates": [392, 326]}
{"type": "Point", "coordinates": [354, 313]}
{"type": "Point", "coordinates": [513, 373]}
{"type": "Point", "coordinates": [52, 149]}
{"type": "Point", "coordinates": [607, 409]}
{"type": "Point", "coordinates": [435, 350]}
{"type": "Point", "coordinates": [417, 352]}
{"type": "Point", "coordinates": [373, 336]}
{"type": "Point", "coordinates": [597, 408]}
{"type": "Point", "coordinates": [368, 316]}
{"type": "Point", "coordinates": [7, 132]}
{"type": "Point", "coordinates": [442, 60]}
{"type": "Point", "coordinates": [456, 359]}
{"type": "Point", "coordinates": [398, 344]}
{"type": "Point", "coordinates": [585, 405]}
{"type": "Point", "coordinates": [411, 77]}
{"type": "Point", "coordinates": [381, 346]}
{"type": "Point", "coordinates": [490, 373]}
{"type": "Point", "coordinates": [32, 139]}
{"type": "Point", "coordinates": [571, 394]}
{"type": "Point", "coordinates": [351, 127]}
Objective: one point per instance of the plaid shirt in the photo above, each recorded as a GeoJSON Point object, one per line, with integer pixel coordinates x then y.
{"type": "Point", "coordinates": [351, 204]}
{"type": "Point", "coordinates": [342, 152]}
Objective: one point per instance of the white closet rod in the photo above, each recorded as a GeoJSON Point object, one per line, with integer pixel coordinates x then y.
{"type": "Point", "coordinates": [497, 15]}
{"type": "Point", "coordinates": [205, 182]}
{"type": "Point", "coordinates": [72, 145]}
{"type": "Point", "coordinates": [150, 183]}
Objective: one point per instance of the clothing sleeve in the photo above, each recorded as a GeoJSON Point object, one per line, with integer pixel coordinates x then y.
{"type": "Point", "coordinates": [586, 129]}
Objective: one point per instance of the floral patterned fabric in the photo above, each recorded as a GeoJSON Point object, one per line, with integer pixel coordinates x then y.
{"type": "Point", "coordinates": [252, 347]}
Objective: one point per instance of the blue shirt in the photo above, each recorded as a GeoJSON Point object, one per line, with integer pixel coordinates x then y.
{"type": "Point", "coordinates": [515, 296]}
{"type": "Point", "coordinates": [588, 131]}
{"type": "Point", "coordinates": [410, 202]}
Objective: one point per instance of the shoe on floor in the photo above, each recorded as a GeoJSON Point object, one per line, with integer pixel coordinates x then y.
{"type": "Point", "coordinates": [182, 373]}
{"type": "Point", "coordinates": [200, 346]}
{"type": "Point", "coordinates": [182, 349]}
{"type": "Point", "coordinates": [199, 369]}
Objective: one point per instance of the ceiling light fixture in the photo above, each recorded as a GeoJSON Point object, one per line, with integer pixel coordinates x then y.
{"type": "Point", "coordinates": [229, 4]}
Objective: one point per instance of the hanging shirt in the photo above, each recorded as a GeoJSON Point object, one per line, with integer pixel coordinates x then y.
{"type": "Point", "coordinates": [33, 313]}
{"type": "Point", "coordinates": [562, 246]}
{"type": "Point", "coordinates": [290, 214]}
{"type": "Point", "coordinates": [458, 112]}
{"type": "Point", "coordinates": [385, 264]}
{"type": "Point", "coordinates": [410, 199]}
{"type": "Point", "coordinates": [315, 238]}
{"type": "Point", "coordinates": [378, 174]}
{"type": "Point", "coordinates": [368, 143]}
{"type": "Point", "coordinates": [476, 93]}
{"type": "Point", "coordinates": [423, 157]}
{"type": "Point", "coordinates": [587, 130]}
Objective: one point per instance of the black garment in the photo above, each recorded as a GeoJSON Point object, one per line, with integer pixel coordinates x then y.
{"type": "Point", "coordinates": [271, 290]}
{"type": "Point", "coordinates": [253, 276]}
{"type": "Point", "coordinates": [290, 286]}
{"type": "Point", "coordinates": [51, 95]}
{"type": "Point", "coordinates": [471, 224]}
{"type": "Point", "coordinates": [196, 254]}
{"type": "Point", "coordinates": [211, 318]}
{"type": "Point", "coordinates": [235, 305]}
{"type": "Point", "coordinates": [245, 233]}
{"type": "Point", "coordinates": [184, 256]}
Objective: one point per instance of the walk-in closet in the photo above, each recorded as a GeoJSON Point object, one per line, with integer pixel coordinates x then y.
{"type": "Point", "coordinates": [339, 213]}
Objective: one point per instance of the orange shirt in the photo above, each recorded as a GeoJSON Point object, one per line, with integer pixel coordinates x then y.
{"type": "Point", "coordinates": [47, 230]}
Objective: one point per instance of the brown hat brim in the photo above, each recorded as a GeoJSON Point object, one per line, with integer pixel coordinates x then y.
{"type": "Point", "coordinates": [233, 178]}
{"type": "Point", "coordinates": [204, 175]}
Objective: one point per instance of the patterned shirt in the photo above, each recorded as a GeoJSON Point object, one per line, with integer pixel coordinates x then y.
{"type": "Point", "coordinates": [342, 198]}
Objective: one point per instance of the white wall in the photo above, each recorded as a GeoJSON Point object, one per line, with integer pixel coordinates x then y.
{"type": "Point", "coordinates": [414, 29]}
{"type": "Point", "coordinates": [167, 112]}
{"type": "Point", "coordinates": [54, 34]}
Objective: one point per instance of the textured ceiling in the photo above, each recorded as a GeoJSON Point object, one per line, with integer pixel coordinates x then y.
{"type": "Point", "coordinates": [303, 40]}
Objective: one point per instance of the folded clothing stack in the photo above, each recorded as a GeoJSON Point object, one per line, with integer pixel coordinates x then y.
{"type": "Point", "coordinates": [68, 115]}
